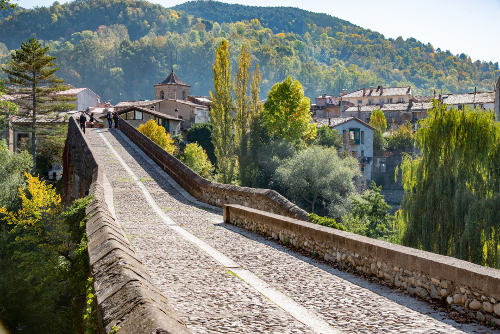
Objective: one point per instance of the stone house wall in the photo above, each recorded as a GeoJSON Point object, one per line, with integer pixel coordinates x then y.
{"type": "Point", "coordinates": [171, 92]}
{"type": "Point", "coordinates": [471, 289]}
{"type": "Point", "coordinates": [210, 192]}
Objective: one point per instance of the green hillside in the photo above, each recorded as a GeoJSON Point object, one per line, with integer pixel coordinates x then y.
{"type": "Point", "coordinates": [120, 48]}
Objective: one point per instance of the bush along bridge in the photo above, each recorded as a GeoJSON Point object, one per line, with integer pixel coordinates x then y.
{"type": "Point", "coordinates": [171, 252]}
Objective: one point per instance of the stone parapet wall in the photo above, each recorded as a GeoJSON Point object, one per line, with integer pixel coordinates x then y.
{"type": "Point", "coordinates": [470, 288]}
{"type": "Point", "coordinates": [210, 192]}
{"type": "Point", "coordinates": [124, 293]}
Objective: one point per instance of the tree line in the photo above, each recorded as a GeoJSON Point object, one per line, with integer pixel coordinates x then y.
{"type": "Point", "coordinates": [120, 48]}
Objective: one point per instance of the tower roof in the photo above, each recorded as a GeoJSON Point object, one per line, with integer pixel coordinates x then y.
{"type": "Point", "coordinates": [173, 79]}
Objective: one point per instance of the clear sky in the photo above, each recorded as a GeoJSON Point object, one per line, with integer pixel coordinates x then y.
{"type": "Point", "coordinates": [468, 26]}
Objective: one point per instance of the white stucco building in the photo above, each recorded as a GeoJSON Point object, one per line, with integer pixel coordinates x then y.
{"type": "Point", "coordinates": [358, 139]}
{"type": "Point", "coordinates": [85, 98]}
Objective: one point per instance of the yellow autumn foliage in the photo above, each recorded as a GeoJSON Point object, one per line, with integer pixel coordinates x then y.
{"type": "Point", "coordinates": [39, 202]}
{"type": "Point", "coordinates": [157, 134]}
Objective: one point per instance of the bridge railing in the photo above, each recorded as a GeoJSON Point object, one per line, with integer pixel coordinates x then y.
{"type": "Point", "coordinates": [472, 289]}
{"type": "Point", "coordinates": [213, 193]}
{"type": "Point", "coordinates": [124, 293]}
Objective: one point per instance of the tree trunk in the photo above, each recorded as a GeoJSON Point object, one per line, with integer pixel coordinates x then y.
{"type": "Point", "coordinates": [33, 126]}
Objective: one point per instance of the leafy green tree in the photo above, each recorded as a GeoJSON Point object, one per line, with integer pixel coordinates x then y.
{"type": "Point", "coordinates": [317, 174]}
{"type": "Point", "coordinates": [328, 137]}
{"type": "Point", "coordinates": [201, 133]}
{"type": "Point", "coordinates": [242, 114]}
{"type": "Point", "coordinates": [221, 117]}
{"type": "Point", "coordinates": [270, 157]}
{"type": "Point", "coordinates": [43, 259]}
{"type": "Point", "coordinates": [371, 207]}
{"type": "Point", "coordinates": [196, 158]}
{"type": "Point", "coordinates": [286, 112]}
{"type": "Point", "coordinates": [158, 135]}
{"type": "Point", "coordinates": [7, 3]}
{"type": "Point", "coordinates": [32, 72]}
{"type": "Point", "coordinates": [12, 169]}
{"type": "Point", "coordinates": [401, 138]}
{"type": "Point", "coordinates": [452, 201]}
{"type": "Point", "coordinates": [377, 120]}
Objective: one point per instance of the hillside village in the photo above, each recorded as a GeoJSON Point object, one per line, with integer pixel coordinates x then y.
{"type": "Point", "coordinates": [174, 108]}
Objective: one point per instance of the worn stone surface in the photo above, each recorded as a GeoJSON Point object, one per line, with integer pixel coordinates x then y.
{"type": "Point", "coordinates": [378, 258]}
{"type": "Point", "coordinates": [208, 298]}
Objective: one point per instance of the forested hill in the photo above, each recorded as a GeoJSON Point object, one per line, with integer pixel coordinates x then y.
{"type": "Point", "coordinates": [278, 19]}
{"type": "Point", "coordinates": [121, 48]}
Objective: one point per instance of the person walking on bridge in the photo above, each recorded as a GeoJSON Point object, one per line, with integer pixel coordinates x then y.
{"type": "Point", "coordinates": [83, 120]}
{"type": "Point", "coordinates": [109, 117]}
{"type": "Point", "coordinates": [115, 119]}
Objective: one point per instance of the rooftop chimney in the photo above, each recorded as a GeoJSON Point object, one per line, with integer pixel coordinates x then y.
{"type": "Point", "coordinates": [329, 121]}
{"type": "Point", "coordinates": [344, 91]}
{"type": "Point", "coordinates": [364, 91]}
{"type": "Point", "coordinates": [381, 90]}
{"type": "Point", "coordinates": [176, 113]}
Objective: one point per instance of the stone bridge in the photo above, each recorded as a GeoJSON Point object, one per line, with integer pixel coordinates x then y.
{"type": "Point", "coordinates": [171, 252]}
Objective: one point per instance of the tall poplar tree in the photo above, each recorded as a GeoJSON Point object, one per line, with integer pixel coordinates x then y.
{"type": "Point", "coordinates": [33, 86]}
{"type": "Point", "coordinates": [242, 111]}
{"type": "Point", "coordinates": [452, 201]}
{"type": "Point", "coordinates": [255, 140]}
{"type": "Point", "coordinates": [221, 115]}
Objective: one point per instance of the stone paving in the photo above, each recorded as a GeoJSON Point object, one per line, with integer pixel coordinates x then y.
{"type": "Point", "coordinates": [211, 298]}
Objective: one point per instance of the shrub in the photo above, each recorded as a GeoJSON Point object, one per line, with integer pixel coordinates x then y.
{"type": "Point", "coordinates": [196, 158]}
{"type": "Point", "coordinates": [157, 134]}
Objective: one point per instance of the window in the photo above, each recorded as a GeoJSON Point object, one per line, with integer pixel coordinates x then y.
{"type": "Point", "coordinates": [371, 102]}
{"type": "Point", "coordinates": [389, 100]}
{"type": "Point", "coordinates": [362, 153]}
{"type": "Point", "coordinates": [401, 100]}
{"type": "Point", "coordinates": [362, 140]}
{"type": "Point", "coordinates": [166, 125]}
{"type": "Point", "coordinates": [183, 95]}
{"type": "Point", "coordinates": [138, 114]}
{"type": "Point", "coordinates": [360, 101]}
{"type": "Point", "coordinates": [162, 95]}
{"type": "Point", "coordinates": [381, 101]}
{"type": "Point", "coordinates": [130, 115]}
{"type": "Point", "coordinates": [354, 136]}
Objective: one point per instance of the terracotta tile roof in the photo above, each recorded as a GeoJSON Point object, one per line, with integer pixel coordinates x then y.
{"type": "Point", "coordinates": [136, 103]}
{"type": "Point", "coordinates": [336, 121]}
{"type": "Point", "coordinates": [466, 98]}
{"type": "Point", "coordinates": [173, 79]}
{"type": "Point", "coordinates": [401, 107]}
{"type": "Point", "coordinates": [380, 91]}
{"type": "Point", "coordinates": [147, 111]}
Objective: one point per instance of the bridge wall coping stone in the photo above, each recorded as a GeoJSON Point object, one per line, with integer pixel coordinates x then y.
{"type": "Point", "coordinates": [213, 193]}
{"type": "Point", "coordinates": [472, 289]}
{"type": "Point", "coordinates": [124, 292]}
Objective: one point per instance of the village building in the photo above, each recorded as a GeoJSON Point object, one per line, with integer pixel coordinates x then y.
{"type": "Point", "coordinates": [172, 98]}
{"type": "Point", "coordinates": [397, 113]}
{"type": "Point", "coordinates": [481, 100]}
{"type": "Point", "coordinates": [136, 116]}
{"type": "Point", "coordinates": [84, 98]}
{"type": "Point", "coordinates": [19, 127]}
{"type": "Point", "coordinates": [358, 140]}
{"type": "Point", "coordinates": [172, 88]}
{"type": "Point", "coordinates": [377, 96]}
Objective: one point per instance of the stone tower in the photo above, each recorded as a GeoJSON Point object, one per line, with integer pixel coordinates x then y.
{"type": "Point", "coordinates": [172, 88]}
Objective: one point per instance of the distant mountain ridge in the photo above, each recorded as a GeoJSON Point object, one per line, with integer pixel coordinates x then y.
{"type": "Point", "coordinates": [278, 19]}
{"type": "Point", "coordinates": [120, 48]}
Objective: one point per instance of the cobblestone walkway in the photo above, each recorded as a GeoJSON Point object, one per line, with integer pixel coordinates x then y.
{"type": "Point", "coordinates": [212, 298]}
